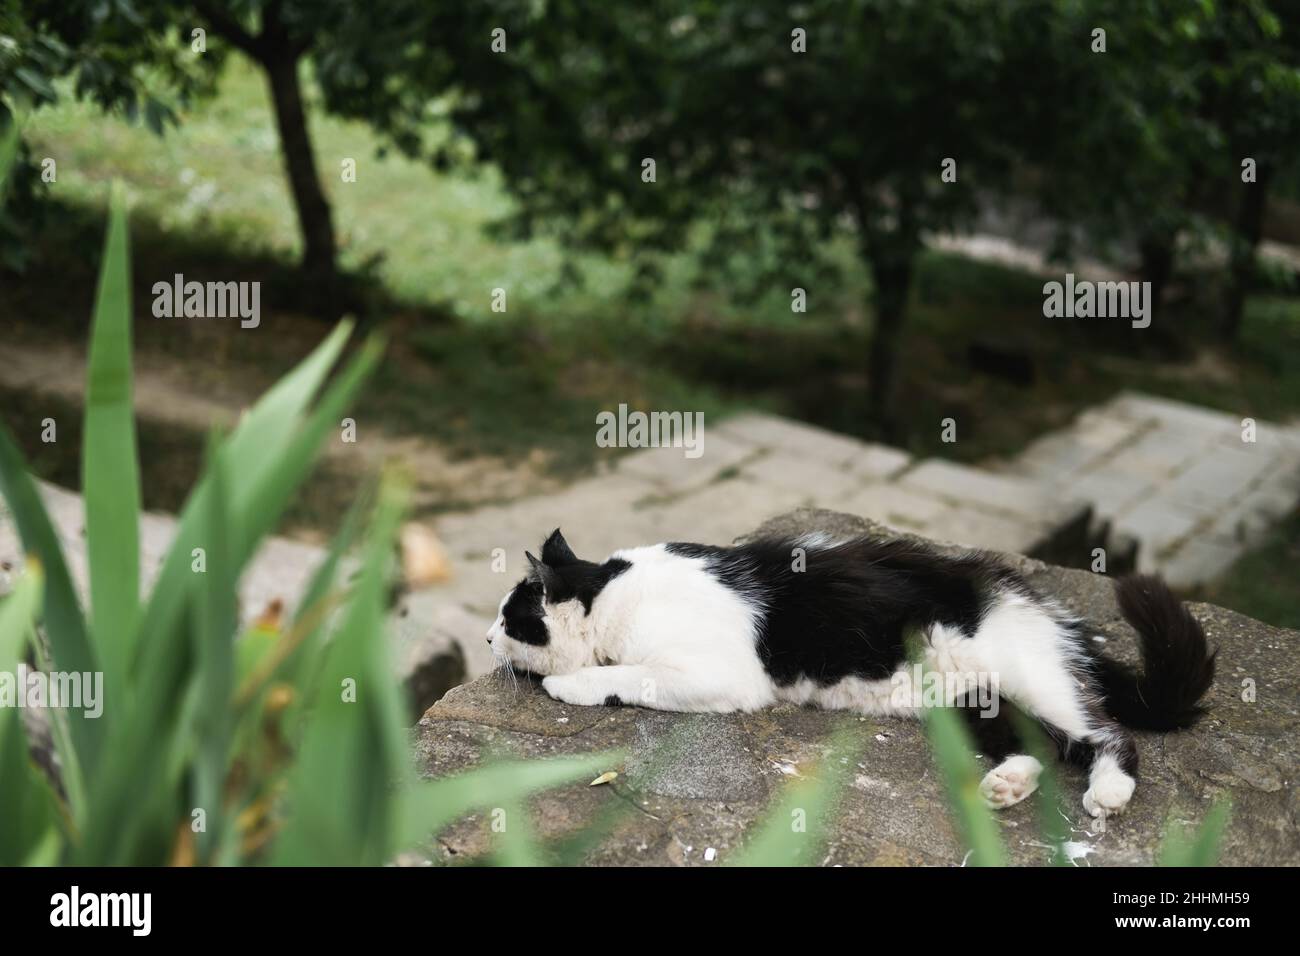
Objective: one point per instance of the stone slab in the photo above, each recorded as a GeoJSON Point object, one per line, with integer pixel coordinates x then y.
{"type": "Point", "coordinates": [717, 774]}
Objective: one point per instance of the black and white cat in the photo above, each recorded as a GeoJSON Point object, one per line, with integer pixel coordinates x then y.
{"type": "Point", "coordinates": [691, 627]}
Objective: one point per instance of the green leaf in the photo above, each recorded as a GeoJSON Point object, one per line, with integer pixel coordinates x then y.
{"type": "Point", "coordinates": [430, 805]}
{"type": "Point", "coordinates": [215, 618]}
{"type": "Point", "coordinates": [268, 456]}
{"type": "Point", "coordinates": [795, 829]}
{"type": "Point", "coordinates": [261, 481]}
{"type": "Point", "coordinates": [65, 628]}
{"type": "Point", "coordinates": [110, 474]}
{"type": "Point", "coordinates": [1201, 848]}
{"type": "Point", "coordinates": [30, 813]}
{"type": "Point", "coordinates": [955, 756]}
{"type": "Point", "coordinates": [516, 841]}
{"type": "Point", "coordinates": [353, 752]}
{"type": "Point", "coordinates": [1054, 824]}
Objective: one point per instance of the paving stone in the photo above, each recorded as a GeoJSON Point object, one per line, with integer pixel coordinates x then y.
{"type": "Point", "coordinates": [1174, 413]}
{"type": "Point", "coordinates": [1160, 453]}
{"type": "Point", "coordinates": [427, 623]}
{"type": "Point", "coordinates": [1248, 520]}
{"type": "Point", "coordinates": [1101, 430]}
{"type": "Point", "coordinates": [879, 461]}
{"type": "Point", "coordinates": [800, 473]}
{"type": "Point", "coordinates": [1054, 457]}
{"type": "Point", "coordinates": [721, 512]}
{"type": "Point", "coordinates": [1158, 525]}
{"type": "Point", "coordinates": [1198, 561]}
{"type": "Point", "coordinates": [592, 505]}
{"type": "Point", "coordinates": [1280, 441]}
{"type": "Point", "coordinates": [963, 484]}
{"type": "Point", "coordinates": [1212, 482]}
{"type": "Point", "coordinates": [896, 506]}
{"type": "Point", "coordinates": [670, 467]}
{"type": "Point", "coordinates": [1109, 493]}
{"type": "Point", "coordinates": [760, 430]}
{"type": "Point", "coordinates": [987, 531]}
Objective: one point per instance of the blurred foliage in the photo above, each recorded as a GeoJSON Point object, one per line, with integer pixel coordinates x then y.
{"type": "Point", "coordinates": [279, 743]}
{"type": "Point", "coordinates": [755, 130]}
{"type": "Point", "coordinates": [778, 151]}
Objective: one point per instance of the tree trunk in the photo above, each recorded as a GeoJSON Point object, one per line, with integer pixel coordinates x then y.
{"type": "Point", "coordinates": [1249, 230]}
{"type": "Point", "coordinates": [314, 218]}
{"type": "Point", "coordinates": [1157, 251]}
{"type": "Point", "coordinates": [893, 279]}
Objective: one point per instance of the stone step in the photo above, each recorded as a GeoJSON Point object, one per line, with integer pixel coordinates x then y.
{"type": "Point", "coordinates": [1196, 487]}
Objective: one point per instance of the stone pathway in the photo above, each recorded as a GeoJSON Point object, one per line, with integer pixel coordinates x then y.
{"type": "Point", "coordinates": [1194, 487]}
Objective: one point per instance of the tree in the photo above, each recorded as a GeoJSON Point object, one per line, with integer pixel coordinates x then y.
{"type": "Point", "coordinates": [1252, 90]}
{"type": "Point", "coordinates": [101, 47]}
{"type": "Point", "coordinates": [1139, 152]}
{"type": "Point", "coordinates": [286, 32]}
{"type": "Point", "coordinates": [135, 56]}
{"type": "Point", "coordinates": [778, 126]}
{"type": "Point", "coordinates": [1162, 124]}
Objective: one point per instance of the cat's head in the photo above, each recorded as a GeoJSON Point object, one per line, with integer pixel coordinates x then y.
{"type": "Point", "coordinates": [544, 622]}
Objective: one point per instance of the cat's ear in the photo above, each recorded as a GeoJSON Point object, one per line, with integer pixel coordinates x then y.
{"type": "Point", "coordinates": [542, 573]}
{"type": "Point", "coordinates": [556, 551]}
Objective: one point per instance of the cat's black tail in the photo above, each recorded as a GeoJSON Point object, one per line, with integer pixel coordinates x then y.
{"type": "Point", "coordinates": [1177, 666]}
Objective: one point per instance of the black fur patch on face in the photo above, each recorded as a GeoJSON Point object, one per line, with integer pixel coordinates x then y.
{"type": "Point", "coordinates": [522, 614]}
{"type": "Point", "coordinates": [849, 611]}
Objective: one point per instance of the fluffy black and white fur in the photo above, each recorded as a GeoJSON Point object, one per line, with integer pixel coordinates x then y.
{"type": "Point", "coordinates": [841, 624]}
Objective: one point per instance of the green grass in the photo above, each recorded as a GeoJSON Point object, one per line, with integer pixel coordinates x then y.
{"type": "Point", "coordinates": [1262, 583]}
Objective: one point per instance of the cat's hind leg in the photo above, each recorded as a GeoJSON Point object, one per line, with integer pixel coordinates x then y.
{"type": "Point", "coordinates": [1036, 656]}
{"type": "Point", "coordinates": [997, 737]}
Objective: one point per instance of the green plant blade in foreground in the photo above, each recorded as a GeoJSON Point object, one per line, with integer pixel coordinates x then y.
{"type": "Point", "coordinates": [796, 827]}
{"type": "Point", "coordinates": [110, 473]}
{"type": "Point", "coordinates": [65, 627]}
{"type": "Point", "coordinates": [215, 620]}
{"type": "Point", "coordinates": [353, 750]}
{"type": "Point", "coordinates": [1202, 847]}
{"type": "Point", "coordinates": [430, 805]}
{"type": "Point", "coordinates": [261, 483]}
{"type": "Point", "coordinates": [30, 819]}
{"type": "Point", "coordinates": [951, 746]}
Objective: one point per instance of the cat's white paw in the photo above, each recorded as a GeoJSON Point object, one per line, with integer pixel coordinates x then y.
{"type": "Point", "coordinates": [576, 689]}
{"type": "Point", "coordinates": [1010, 781]}
{"type": "Point", "coordinates": [1110, 792]}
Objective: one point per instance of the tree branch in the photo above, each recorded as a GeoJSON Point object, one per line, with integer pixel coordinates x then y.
{"type": "Point", "coordinates": [230, 29]}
